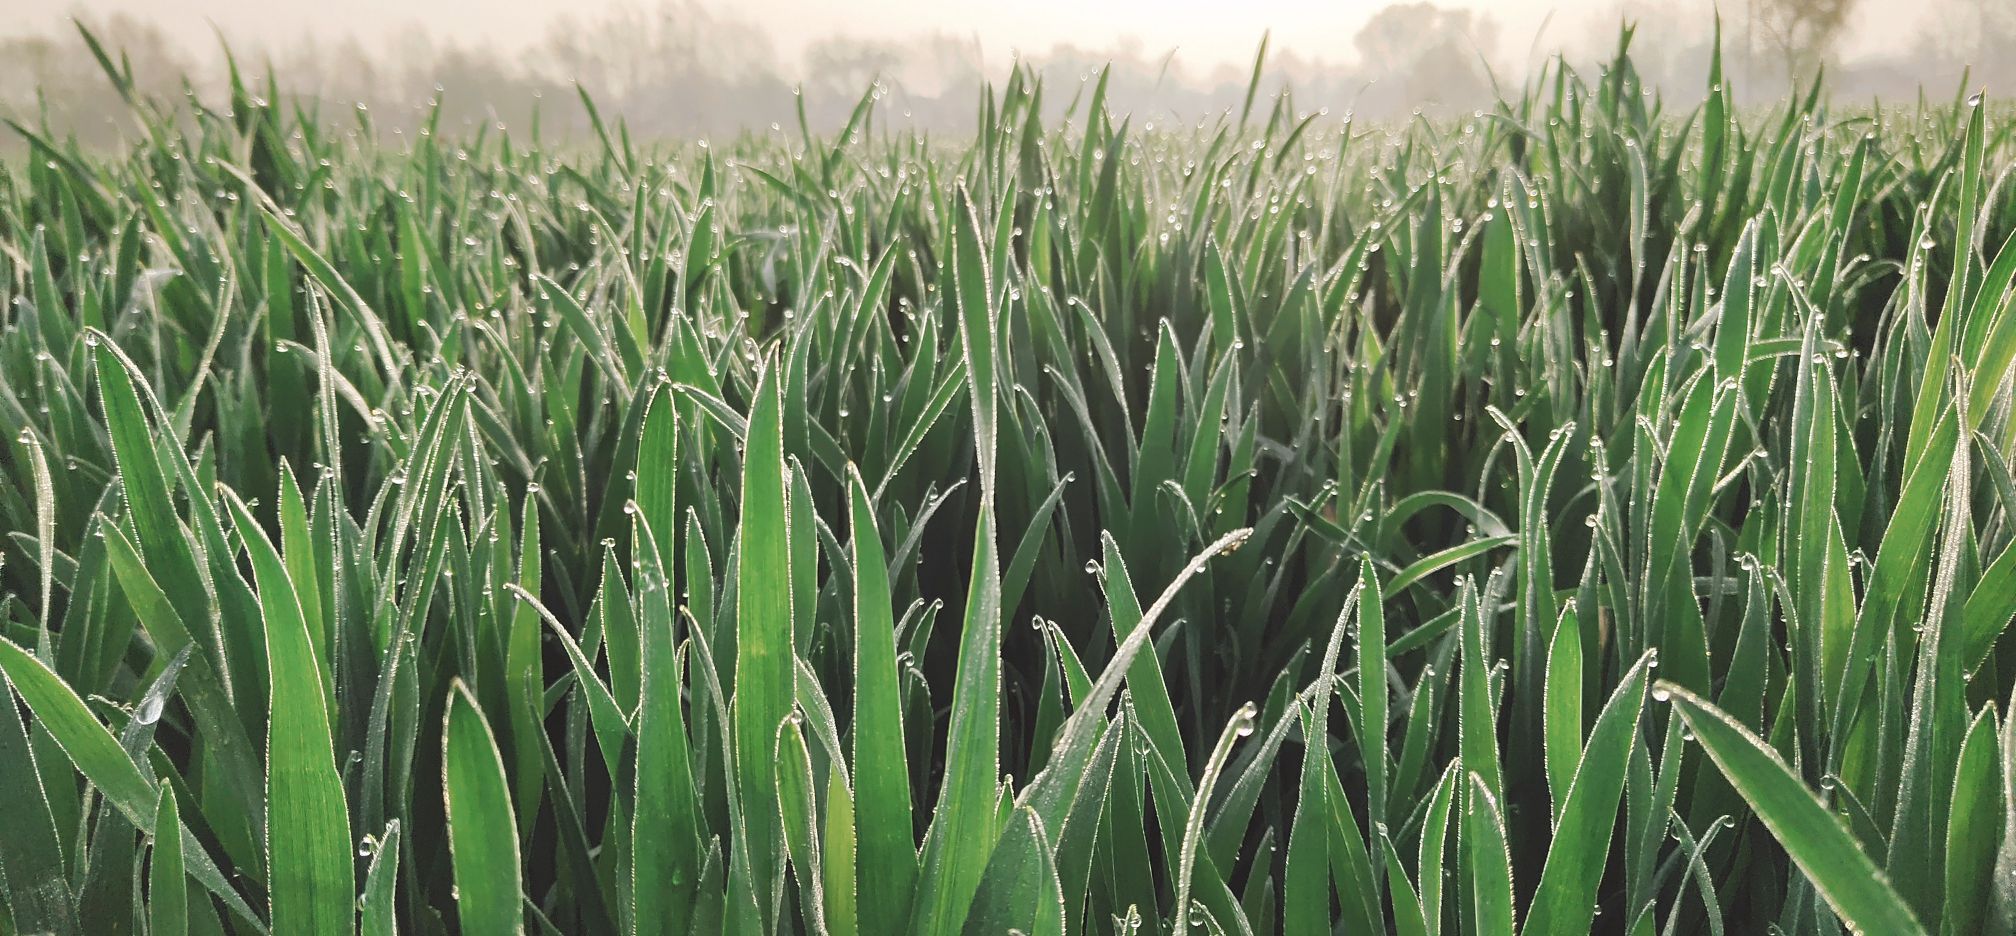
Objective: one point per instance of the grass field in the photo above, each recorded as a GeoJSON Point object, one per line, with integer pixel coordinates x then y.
{"type": "Point", "coordinates": [1590, 515]}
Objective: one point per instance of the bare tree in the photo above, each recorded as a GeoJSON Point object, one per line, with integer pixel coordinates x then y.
{"type": "Point", "coordinates": [1428, 54]}
{"type": "Point", "coordinates": [1804, 31]}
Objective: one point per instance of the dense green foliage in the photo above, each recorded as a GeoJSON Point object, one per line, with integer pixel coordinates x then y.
{"type": "Point", "coordinates": [1584, 515]}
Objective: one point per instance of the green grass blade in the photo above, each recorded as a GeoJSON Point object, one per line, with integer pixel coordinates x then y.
{"type": "Point", "coordinates": [1564, 708]}
{"type": "Point", "coordinates": [38, 894]}
{"type": "Point", "coordinates": [1829, 856]}
{"type": "Point", "coordinates": [167, 891]}
{"type": "Point", "coordinates": [886, 859]}
{"type": "Point", "coordinates": [1020, 892]}
{"type": "Point", "coordinates": [1973, 836]}
{"type": "Point", "coordinates": [764, 671]}
{"type": "Point", "coordinates": [90, 746]}
{"type": "Point", "coordinates": [1372, 689]}
{"type": "Point", "coordinates": [665, 831]}
{"type": "Point", "coordinates": [482, 834]}
{"type": "Point", "coordinates": [1487, 864]}
{"type": "Point", "coordinates": [798, 806]}
{"type": "Point", "coordinates": [169, 551]}
{"type": "Point", "coordinates": [1565, 901]}
{"type": "Point", "coordinates": [963, 827]}
{"type": "Point", "coordinates": [375, 908]}
{"type": "Point", "coordinates": [308, 844]}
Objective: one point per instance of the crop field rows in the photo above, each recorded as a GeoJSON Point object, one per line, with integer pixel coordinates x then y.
{"type": "Point", "coordinates": [1589, 515]}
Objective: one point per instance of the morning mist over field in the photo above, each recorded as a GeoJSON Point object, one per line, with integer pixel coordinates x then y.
{"type": "Point", "coordinates": [685, 67]}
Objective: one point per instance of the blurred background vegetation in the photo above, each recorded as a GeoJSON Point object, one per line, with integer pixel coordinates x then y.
{"type": "Point", "coordinates": [683, 69]}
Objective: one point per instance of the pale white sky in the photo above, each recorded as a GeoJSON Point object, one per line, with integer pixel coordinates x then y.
{"type": "Point", "coordinates": [1206, 32]}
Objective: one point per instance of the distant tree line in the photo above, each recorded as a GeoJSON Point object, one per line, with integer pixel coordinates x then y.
{"type": "Point", "coordinates": [680, 69]}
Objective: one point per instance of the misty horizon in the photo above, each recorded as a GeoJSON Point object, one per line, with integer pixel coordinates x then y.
{"type": "Point", "coordinates": [686, 69]}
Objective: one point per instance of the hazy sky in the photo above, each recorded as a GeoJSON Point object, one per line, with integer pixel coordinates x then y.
{"type": "Point", "coordinates": [1206, 32]}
